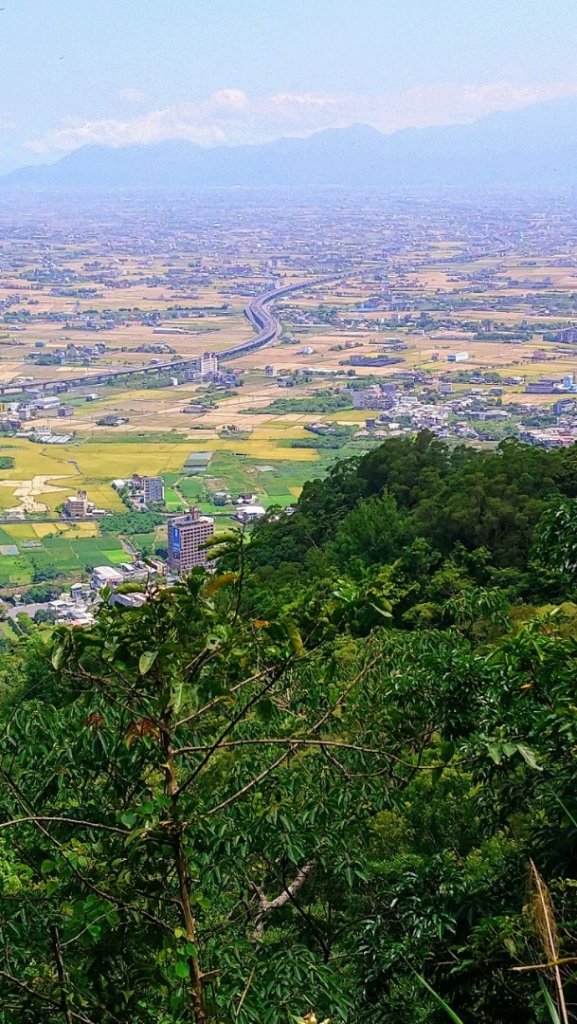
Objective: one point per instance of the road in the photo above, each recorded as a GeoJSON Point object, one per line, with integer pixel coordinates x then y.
{"type": "Point", "coordinates": [263, 322]}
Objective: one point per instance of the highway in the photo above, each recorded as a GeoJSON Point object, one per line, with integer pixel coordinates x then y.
{"type": "Point", "coordinates": [265, 324]}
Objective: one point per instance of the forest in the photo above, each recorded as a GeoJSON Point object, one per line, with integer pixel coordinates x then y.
{"type": "Point", "coordinates": [333, 781]}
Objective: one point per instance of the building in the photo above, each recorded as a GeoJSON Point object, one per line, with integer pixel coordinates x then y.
{"type": "Point", "coordinates": [105, 576]}
{"type": "Point", "coordinates": [378, 396]}
{"type": "Point", "coordinates": [77, 506]}
{"type": "Point", "coordinates": [186, 536]}
{"type": "Point", "coordinates": [458, 357]}
{"type": "Point", "coordinates": [249, 513]}
{"type": "Point", "coordinates": [50, 402]}
{"type": "Point", "coordinates": [208, 364]}
{"type": "Point", "coordinates": [152, 489]}
{"type": "Point", "coordinates": [270, 371]}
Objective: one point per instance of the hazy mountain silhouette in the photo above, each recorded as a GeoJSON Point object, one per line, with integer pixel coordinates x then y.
{"type": "Point", "coordinates": [533, 146]}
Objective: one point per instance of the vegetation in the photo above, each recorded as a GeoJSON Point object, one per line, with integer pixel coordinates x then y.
{"type": "Point", "coordinates": [131, 522]}
{"type": "Point", "coordinates": [323, 400]}
{"type": "Point", "coordinates": [334, 781]}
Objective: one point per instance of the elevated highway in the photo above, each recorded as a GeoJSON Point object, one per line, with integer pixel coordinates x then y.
{"type": "Point", "coordinates": [265, 324]}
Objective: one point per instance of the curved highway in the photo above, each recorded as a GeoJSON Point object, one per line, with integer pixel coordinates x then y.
{"type": "Point", "coordinates": [263, 322]}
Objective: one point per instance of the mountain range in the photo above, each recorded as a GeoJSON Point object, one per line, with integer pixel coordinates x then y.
{"type": "Point", "coordinates": [535, 146]}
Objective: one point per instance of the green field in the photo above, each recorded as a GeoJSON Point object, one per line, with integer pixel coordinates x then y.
{"type": "Point", "coordinates": [69, 556]}
{"type": "Point", "coordinates": [33, 548]}
{"type": "Point", "coordinates": [276, 483]}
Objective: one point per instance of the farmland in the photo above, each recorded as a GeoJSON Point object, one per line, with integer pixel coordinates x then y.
{"type": "Point", "coordinates": [30, 553]}
{"type": "Point", "coordinates": [411, 286]}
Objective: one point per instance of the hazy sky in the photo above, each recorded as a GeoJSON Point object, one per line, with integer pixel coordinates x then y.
{"type": "Point", "coordinates": [120, 71]}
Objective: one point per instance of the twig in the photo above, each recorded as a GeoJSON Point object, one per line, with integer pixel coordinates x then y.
{"type": "Point", "coordinates": [61, 973]}
{"type": "Point", "coordinates": [67, 821]}
{"type": "Point", "coordinates": [244, 994]}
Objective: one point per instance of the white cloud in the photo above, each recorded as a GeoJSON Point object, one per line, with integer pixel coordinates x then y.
{"type": "Point", "coordinates": [230, 99]}
{"type": "Point", "coordinates": [230, 116]}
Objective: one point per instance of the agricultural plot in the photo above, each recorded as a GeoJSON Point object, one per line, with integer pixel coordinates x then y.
{"type": "Point", "coordinates": [30, 552]}
{"type": "Point", "coordinates": [277, 483]}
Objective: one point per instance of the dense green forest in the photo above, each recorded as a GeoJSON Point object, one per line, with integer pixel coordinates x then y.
{"type": "Point", "coordinates": [333, 781]}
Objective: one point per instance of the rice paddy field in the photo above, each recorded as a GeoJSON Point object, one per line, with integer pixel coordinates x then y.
{"type": "Point", "coordinates": [45, 475]}
{"type": "Point", "coordinates": [177, 285]}
{"type": "Point", "coordinates": [28, 549]}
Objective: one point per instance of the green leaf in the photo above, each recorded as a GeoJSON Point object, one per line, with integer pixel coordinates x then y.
{"type": "Point", "coordinates": [295, 638]}
{"type": "Point", "coordinates": [58, 657]}
{"type": "Point", "coordinates": [181, 969]}
{"type": "Point", "coordinates": [447, 750]}
{"type": "Point", "coordinates": [220, 581]}
{"type": "Point", "coordinates": [441, 1002]}
{"type": "Point", "coordinates": [146, 661]}
{"type": "Point", "coordinates": [47, 866]}
{"type": "Point", "coordinates": [549, 1002]}
{"type": "Point", "coordinates": [528, 756]}
{"type": "Point", "coordinates": [495, 752]}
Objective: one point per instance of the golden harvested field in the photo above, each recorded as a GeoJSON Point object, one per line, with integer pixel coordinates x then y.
{"type": "Point", "coordinates": [93, 466]}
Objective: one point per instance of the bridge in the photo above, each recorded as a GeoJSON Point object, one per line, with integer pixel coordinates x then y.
{"type": "Point", "coordinates": [265, 324]}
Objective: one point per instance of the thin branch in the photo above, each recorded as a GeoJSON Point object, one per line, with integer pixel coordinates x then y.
{"type": "Point", "coordinates": [37, 821]}
{"type": "Point", "coordinates": [61, 974]}
{"type": "Point", "coordinates": [44, 999]}
{"type": "Point", "coordinates": [244, 994]}
{"type": "Point", "coordinates": [67, 821]}
{"type": "Point", "coordinates": [250, 785]}
{"type": "Point", "coordinates": [217, 700]}
{"type": "Point", "coordinates": [298, 741]}
{"type": "Point", "coordinates": [276, 675]}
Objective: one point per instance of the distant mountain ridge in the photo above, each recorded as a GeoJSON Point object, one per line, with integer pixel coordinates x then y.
{"type": "Point", "coordinates": [535, 146]}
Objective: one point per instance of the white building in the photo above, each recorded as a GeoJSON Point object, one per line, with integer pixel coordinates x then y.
{"type": "Point", "coordinates": [249, 513]}
{"type": "Point", "coordinates": [208, 364]}
{"type": "Point", "coordinates": [105, 576]}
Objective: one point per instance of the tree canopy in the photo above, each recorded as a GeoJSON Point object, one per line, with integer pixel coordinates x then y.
{"type": "Point", "coordinates": [335, 780]}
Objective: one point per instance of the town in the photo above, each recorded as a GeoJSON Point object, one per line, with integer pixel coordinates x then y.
{"type": "Point", "coordinates": [149, 399]}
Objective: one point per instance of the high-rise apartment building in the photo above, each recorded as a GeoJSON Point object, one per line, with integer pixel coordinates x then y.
{"type": "Point", "coordinates": [186, 535]}
{"type": "Point", "coordinates": [208, 364]}
{"type": "Point", "coordinates": [152, 489]}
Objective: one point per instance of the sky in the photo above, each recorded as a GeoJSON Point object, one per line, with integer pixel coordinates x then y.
{"type": "Point", "coordinates": [118, 72]}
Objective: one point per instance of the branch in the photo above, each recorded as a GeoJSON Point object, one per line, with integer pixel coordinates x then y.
{"type": "Point", "coordinates": [266, 906]}
{"type": "Point", "coordinates": [38, 822]}
{"type": "Point", "coordinates": [276, 675]}
{"type": "Point", "coordinates": [61, 974]}
{"type": "Point", "coordinates": [44, 999]}
{"type": "Point", "coordinates": [35, 818]}
{"type": "Point", "coordinates": [296, 743]}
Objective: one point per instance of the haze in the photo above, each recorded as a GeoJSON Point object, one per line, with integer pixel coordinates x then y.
{"type": "Point", "coordinates": [227, 73]}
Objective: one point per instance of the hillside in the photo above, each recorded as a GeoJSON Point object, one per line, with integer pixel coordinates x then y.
{"type": "Point", "coordinates": [534, 146]}
{"type": "Point", "coordinates": [333, 782]}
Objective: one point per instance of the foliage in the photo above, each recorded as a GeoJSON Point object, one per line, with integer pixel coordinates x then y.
{"type": "Point", "coordinates": [131, 522]}
{"type": "Point", "coordinates": [315, 790]}
{"type": "Point", "coordinates": [322, 400]}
